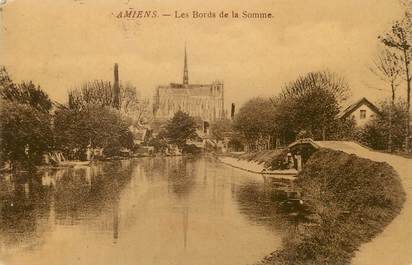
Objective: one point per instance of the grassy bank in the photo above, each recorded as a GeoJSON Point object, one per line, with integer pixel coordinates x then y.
{"type": "Point", "coordinates": [353, 198]}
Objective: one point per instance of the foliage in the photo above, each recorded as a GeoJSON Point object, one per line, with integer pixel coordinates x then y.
{"type": "Point", "coordinates": [95, 125]}
{"type": "Point", "coordinates": [25, 124]}
{"type": "Point", "coordinates": [236, 143]}
{"type": "Point", "coordinates": [101, 93]}
{"type": "Point", "coordinates": [310, 104]}
{"type": "Point", "coordinates": [5, 80]}
{"type": "Point", "coordinates": [354, 198]}
{"type": "Point", "coordinates": [256, 119]}
{"type": "Point", "coordinates": [25, 132]}
{"type": "Point", "coordinates": [180, 128]}
{"type": "Point", "coordinates": [159, 142]}
{"type": "Point", "coordinates": [24, 93]}
{"type": "Point", "coordinates": [376, 133]}
{"type": "Point", "coordinates": [220, 127]}
{"type": "Point", "coordinates": [191, 149]}
{"type": "Point", "coordinates": [344, 129]}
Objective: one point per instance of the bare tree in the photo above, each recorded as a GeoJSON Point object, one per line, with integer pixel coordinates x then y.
{"type": "Point", "coordinates": [97, 92]}
{"type": "Point", "coordinates": [388, 67]}
{"type": "Point", "coordinates": [400, 38]}
{"type": "Point", "coordinates": [101, 93]}
{"type": "Point", "coordinates": [142, 111]}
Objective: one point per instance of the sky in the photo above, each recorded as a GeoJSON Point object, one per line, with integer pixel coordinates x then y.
{"type": "Point", "coordinates": [60, 44]}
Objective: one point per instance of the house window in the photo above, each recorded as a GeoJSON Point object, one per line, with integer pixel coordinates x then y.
{"type": "Point", "coordinates": [363, 114]}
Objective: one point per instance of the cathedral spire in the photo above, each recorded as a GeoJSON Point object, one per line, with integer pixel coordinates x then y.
{"type": "Point", "coordinates": [185, 71]}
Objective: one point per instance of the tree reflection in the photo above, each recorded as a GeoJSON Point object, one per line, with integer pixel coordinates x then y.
{"type": "Point", "coordinates": [263, 205]}
{"type": "Point", "coordinates": [75, 193]}
{"type": "Point", "coordinates": [181, 174]}
{"type": "Point", "coordinates": [23, 200]}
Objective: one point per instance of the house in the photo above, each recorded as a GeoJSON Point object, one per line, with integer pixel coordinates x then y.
{"type": "Point", "coordinates": [361, 111]}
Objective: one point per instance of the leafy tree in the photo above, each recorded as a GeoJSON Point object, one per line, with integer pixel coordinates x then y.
{"type": "Point", "coordinates": [24, 93]}
{"type": "Point", "coordinates": [256, 121]}
{"type": "Point", "coordinates": [180, 128]}
{"type": "Point", "coordinates": [344, 129]}
{"type": "Point", "coordinates": [310, 104]}
{"type": "Point", "coordinates": [375, 133]}
{"type": "Point", "coordinates": [220, 127]}
{"type": "Point", "coordinates": [25, 124]}
{"type": "Point", "coordinates": [92, 125]}
{"type": "Point", "coordinates": [25, 132]}
{"type": "Point", "coordinates": [159, 142]}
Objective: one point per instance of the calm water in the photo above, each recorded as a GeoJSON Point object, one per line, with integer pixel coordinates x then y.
{"type": "Point", "coordinates": [171, 210]}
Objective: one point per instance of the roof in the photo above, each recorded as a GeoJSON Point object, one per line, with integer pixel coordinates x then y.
{"type": "Point", "coordinates": [349, 147]}
{"type": "Point", "coordinates": [346, 112]}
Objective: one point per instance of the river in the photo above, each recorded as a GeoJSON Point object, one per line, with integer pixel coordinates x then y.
{"type": "Point", "coordinates": [172, 210]}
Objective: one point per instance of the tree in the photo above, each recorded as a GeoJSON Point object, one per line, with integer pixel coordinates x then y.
{"type": "Point", "coordinates": [25, 123]}
{"type": "Point", "coordinates": [180, 128]}
{"type": "Point", "coordinates": [400, 39]}
{"type": "Point", "coordinates": [390, 121]}
{"type": "Point", "coordinates": [97, 92]}
{"type": "Point", "coordinates": [140, 111]}
{"type": "Point", "coordinates": [220, 127]}
{"type": "Point", "coordinates": [92, 125]}
{"type": "Point", "coordinates": [256, 122]}
{"type": "Point", "coordinates": [25, 132]}
{"type": "Point", "coordinates": [24, 93]}
{"type": "Point", "coordinates": [101, 93]}
{"type": "Point", "coordinates": [5, 80]}
{"type": "Point", "coordinates": [387, 66]}
{"type": "Point", "coordinates": [310, 104]}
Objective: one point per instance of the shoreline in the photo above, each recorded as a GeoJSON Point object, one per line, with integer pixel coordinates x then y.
{"type": "Point", "coordinates": [355, 227]}
{"type": "Point", "coordinates": [256, 168]}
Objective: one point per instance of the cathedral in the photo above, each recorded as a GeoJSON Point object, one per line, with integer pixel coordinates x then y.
{"type": "Point", "coordinates": [204, 101]}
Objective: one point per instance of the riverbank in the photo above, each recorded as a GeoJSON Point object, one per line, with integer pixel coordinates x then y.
{"type": "Point", "coordinates": [355, 199]}
{"type": "Point", "coordinates": [255, 167]}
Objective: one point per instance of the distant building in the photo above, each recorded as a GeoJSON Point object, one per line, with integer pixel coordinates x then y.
{"type": "Point", "coordinates": [362, 111]}
{"type": "Point", "coordinates": [204, 101]}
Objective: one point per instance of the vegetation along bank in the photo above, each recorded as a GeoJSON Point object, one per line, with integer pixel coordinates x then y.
{"type": "Point", "coordinates": [353, 199]}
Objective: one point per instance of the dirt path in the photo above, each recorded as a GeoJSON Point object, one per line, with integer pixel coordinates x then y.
{"type": "Point", "coordinates": [394, 245]}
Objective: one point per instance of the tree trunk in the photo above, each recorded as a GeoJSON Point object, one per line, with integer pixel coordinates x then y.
{"type": "Point", "coordinates": [323, 133]}
{"type": "Point", "coordinates": [391, 108]}
{"type": "Point", "coordinates": [408, 99]}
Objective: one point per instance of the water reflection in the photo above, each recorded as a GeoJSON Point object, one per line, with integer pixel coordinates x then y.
{"type": "Point", "coordinates": [171, 210]}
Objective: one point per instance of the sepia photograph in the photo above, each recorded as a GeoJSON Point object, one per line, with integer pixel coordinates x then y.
{"type": "Point", "coordinates": [219, 132]}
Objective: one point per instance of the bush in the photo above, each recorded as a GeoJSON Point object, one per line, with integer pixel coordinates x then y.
{"type": "Point", "coordinates": [191, 149]}
{"type": "Point", "coordinates": [93, 125]}
{"type": "Point", "coordinates": [25, 132]}
{"type": "Point", "coordinates": [354, 199]}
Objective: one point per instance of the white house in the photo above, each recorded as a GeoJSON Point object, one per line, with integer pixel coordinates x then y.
{"type": "Point", "coordinates": [361, 111]}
